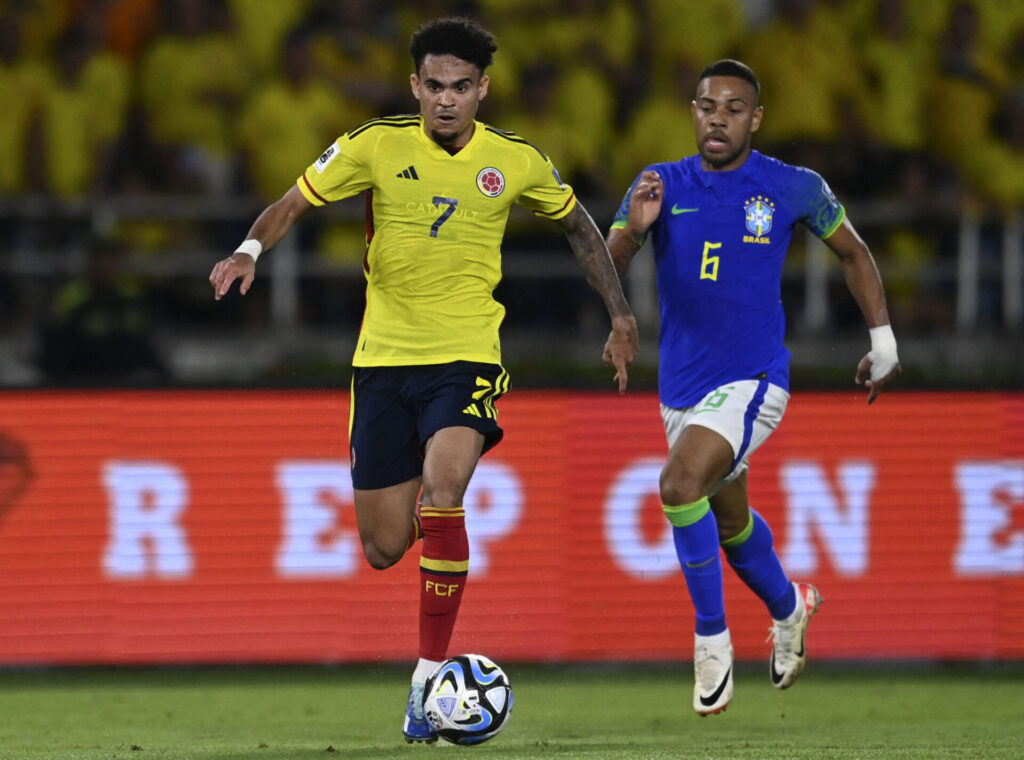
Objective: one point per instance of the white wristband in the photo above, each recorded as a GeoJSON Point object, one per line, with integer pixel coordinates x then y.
{"type": "Point", "coordinates": [883, 351]}
{"type": "Point", "coordinates": [251, 246]}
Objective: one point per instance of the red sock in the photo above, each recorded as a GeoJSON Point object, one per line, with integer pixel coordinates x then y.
{"type": "Point", "coordinates": [444, 564]}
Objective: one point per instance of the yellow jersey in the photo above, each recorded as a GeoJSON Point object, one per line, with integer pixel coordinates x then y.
{"type": "Point", "coordinates": [437, 222]}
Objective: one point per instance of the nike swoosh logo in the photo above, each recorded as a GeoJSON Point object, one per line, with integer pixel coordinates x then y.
{"type": "Point", "coordinates": [708, 701]}
{"type": "Point", "coordinates": [776, 675]}
{"type": "Point", "coordinates": [701, 564]}
{"type": "Point", "coordinates": [677, 210]}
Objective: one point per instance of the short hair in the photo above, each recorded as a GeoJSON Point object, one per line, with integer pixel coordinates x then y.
{"type": "Point", "coordinates": [461, 37]}
{"type": "Point", "coordinates": [727, 67]}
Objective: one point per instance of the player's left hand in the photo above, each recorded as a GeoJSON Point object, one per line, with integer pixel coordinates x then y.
{"type": "Point", "coordinates": [869, 374]}
{"type": "Point", "coordinates": [621, 348]}
{"type": "Point", "coordinates": [645, 203]}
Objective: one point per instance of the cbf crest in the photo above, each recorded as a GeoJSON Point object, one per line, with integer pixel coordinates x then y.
{"type": "Point", "coordinates": [759, 213]}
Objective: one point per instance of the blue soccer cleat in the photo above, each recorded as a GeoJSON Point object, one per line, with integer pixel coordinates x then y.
{"type": "Point", "coordinates": [416, 728]}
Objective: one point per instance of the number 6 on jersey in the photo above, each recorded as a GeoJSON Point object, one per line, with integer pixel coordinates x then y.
{"type": "Point", "coordinates": [709, 264]}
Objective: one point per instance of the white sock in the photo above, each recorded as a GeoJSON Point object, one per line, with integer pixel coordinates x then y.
{"type": "Point", "coordinates": [716, 640]}
{"type": "Point", "coordinates": [423, 669]}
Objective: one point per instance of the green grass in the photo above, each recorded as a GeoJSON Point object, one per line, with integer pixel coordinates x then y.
{"type": "Point", "coordinates": [639, 712]}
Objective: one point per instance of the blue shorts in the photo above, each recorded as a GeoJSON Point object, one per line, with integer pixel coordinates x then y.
{"type": "Point", "coordinates": [395, 410]}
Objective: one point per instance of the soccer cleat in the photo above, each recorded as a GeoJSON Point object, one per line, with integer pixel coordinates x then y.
{"type": "Point", "coordinates": [789, 650]}
{"type": "Point", "coordinates": [416, 728]}
{"type": "Point", "coordinates": [712, 671]}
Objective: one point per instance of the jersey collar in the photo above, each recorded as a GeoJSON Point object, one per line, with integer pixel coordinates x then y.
{"type": "Point", "coordinates": [718, 179]}
{"type": "Point", "coordinates": [467, 149]}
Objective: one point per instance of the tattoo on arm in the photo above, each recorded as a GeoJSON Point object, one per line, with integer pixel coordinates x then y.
{"type": "Point", "coordinates": [592, 254]}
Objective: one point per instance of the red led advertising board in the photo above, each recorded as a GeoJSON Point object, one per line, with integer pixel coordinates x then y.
{"type": "Point", "coordinates": [182, 527]}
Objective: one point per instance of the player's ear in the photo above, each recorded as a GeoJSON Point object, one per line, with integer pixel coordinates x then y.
{"type": "Point", "coordinates": [755, 122]}
{"type": "Point", "coordinates": [482, 89]}
{"type": "Point", "coordinates": [414, 82]}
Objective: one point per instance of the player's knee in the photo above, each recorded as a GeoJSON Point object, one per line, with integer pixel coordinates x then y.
{"type": "Point", "coordinates": [380, 556]}
{"type": "Point", "coordinates": [443, 496]}
{"type": "Point", "coordinates": [680, 485]}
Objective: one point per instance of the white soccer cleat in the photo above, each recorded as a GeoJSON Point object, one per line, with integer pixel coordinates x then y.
{"type": "Point", "coordinates": [789, 647]}
{"type": "Point", "coordinates": [712, 672]}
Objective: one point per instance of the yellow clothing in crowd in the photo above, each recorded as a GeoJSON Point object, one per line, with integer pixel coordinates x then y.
{"type": "Point", "coordinates": [283, 125]}
{"type": "Point", "coordinates": [81, 120]}
{"type": "Point", "coordinates": [191, 88]}
{"type": "Point", "coordinates": [23, 84]}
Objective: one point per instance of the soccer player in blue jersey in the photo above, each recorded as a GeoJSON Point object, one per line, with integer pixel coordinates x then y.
{"type": "Point", "coordinates": [720, 224]}
{"type": "Point", "coordinates": [426, 370]}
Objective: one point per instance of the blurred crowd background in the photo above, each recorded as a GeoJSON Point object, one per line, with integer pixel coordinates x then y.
{"type": "Point", "coordinates": [139, 139]}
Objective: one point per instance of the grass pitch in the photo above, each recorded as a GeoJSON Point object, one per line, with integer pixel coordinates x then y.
{"type": "Point", "coordinates": [639, 712]}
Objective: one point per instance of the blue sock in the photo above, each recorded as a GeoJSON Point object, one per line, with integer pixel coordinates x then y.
{"type": "Point", "coordinates": [695, 533]}
{"type": "Point", "coordinates": [753, 557]}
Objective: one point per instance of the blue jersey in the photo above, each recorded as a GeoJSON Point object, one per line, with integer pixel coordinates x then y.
{"type": "Point", "coordinates": [719, 245]}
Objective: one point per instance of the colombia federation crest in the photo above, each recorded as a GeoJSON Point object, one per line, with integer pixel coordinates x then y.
{"type": "Point", "coordinates": [490, 182]}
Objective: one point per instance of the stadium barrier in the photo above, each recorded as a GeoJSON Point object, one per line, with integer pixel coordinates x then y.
{"type": "Point", "coordinates": [184, 527]}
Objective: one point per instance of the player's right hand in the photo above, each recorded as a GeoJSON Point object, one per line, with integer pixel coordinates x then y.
{"type": "Point", "coordinates": [226, 271]}
{"type": "Point", "coordinates": [621, 348]}
{"type": "Point", "coordinates": [868, 374]}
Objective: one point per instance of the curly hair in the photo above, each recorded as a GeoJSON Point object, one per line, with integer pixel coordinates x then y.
{"type": "Point", "coordinates": [461, 37]}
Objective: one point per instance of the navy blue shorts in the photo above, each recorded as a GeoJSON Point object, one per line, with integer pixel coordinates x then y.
{"type": "Point", "coordinates": [395, 410]}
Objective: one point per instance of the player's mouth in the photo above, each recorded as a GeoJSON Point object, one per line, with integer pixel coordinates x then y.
{"type": "Point", "coordinates": [716, 142]}
{"type": "Point", "coordinates": [446, 119]}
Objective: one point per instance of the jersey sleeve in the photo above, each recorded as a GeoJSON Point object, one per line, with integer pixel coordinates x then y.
{"type": "Point", "coordinates": [341, 171]}
{"type": "Point", "coordinates": [543, 192]}
{"type": "Point", "coordinates": [815, 203]}
{"type": "Point", "coordinates": [619, 220]}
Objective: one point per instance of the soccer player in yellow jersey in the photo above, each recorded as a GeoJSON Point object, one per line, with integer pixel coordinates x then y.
{"type": "Point", "coordinates": [426, 371]}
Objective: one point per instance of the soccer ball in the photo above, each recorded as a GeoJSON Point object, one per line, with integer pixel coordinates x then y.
{"type": "Point", "coordinates": [467, 699]}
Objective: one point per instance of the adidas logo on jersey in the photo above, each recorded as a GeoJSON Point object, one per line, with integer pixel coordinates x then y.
{"type": "Point", "coordinates": [409, 173]}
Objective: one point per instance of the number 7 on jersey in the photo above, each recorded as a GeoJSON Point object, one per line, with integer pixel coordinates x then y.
{"type": "Point", "coordinates": [440, 201]}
